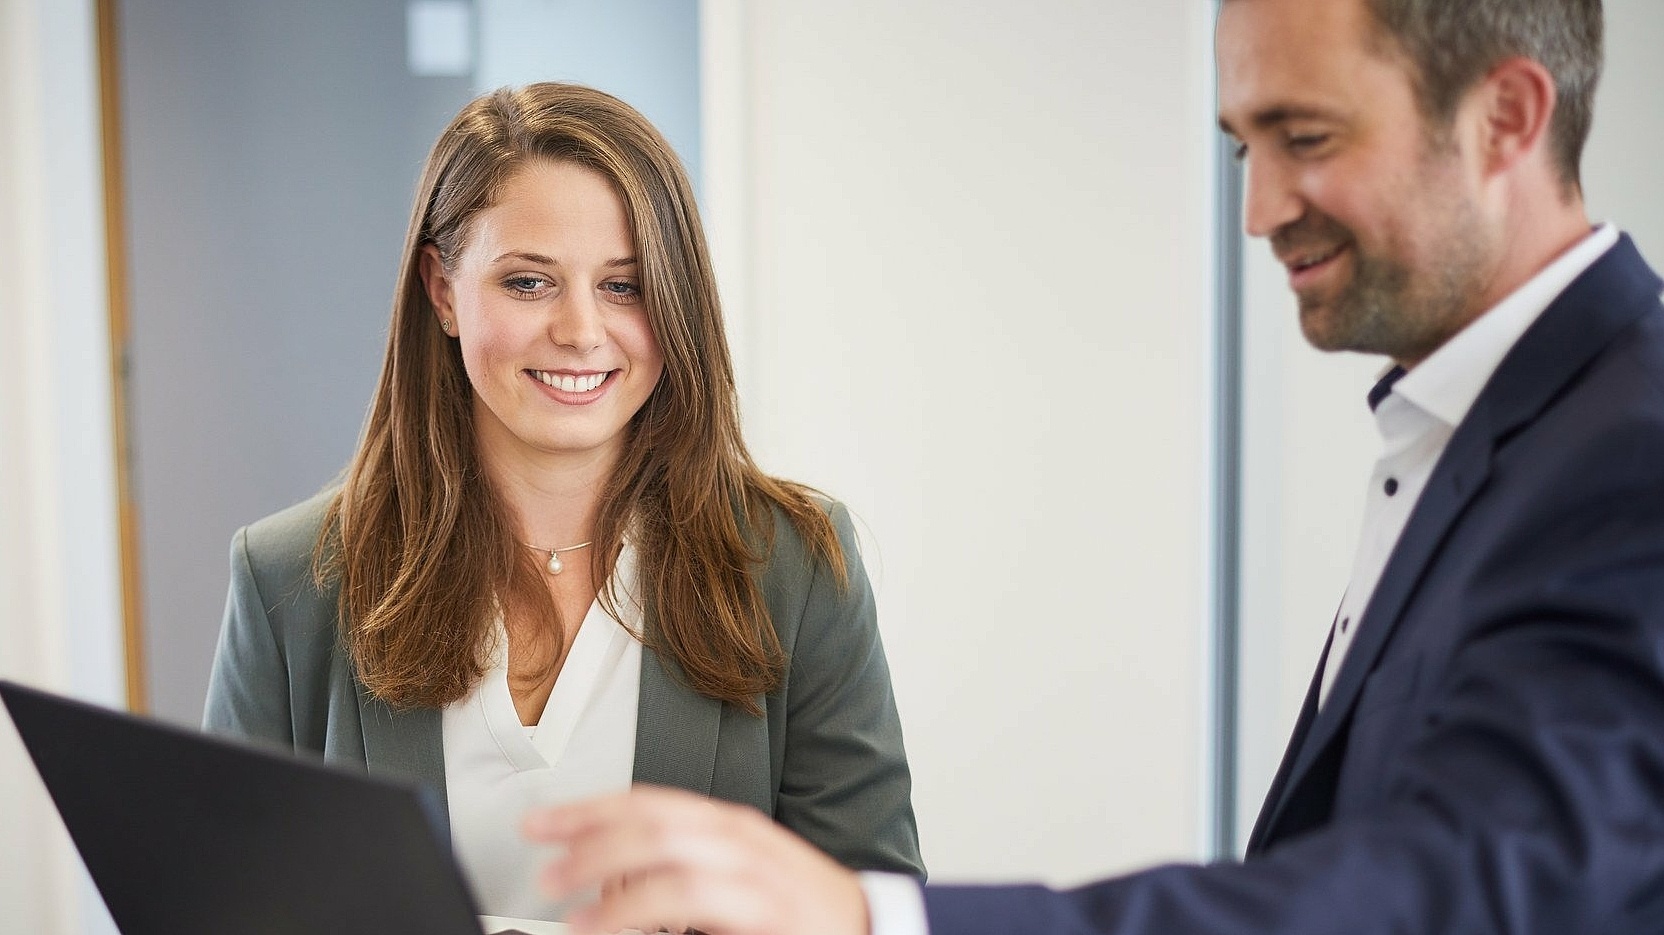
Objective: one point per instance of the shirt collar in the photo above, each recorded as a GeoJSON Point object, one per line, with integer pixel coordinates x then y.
{"type": "Point", "coordinates": [1450, 379]}
{"type": "Point", "coordinates": [1383, 386]}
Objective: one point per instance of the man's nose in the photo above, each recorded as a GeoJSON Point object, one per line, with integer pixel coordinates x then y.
{"type": "Point", "coordinates": [1270, 199]}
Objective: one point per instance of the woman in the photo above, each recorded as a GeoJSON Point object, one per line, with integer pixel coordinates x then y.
{"type": "Point", "coordinates": [552, 568]}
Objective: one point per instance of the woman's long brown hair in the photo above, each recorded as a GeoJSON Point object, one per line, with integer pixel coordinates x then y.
{"type": "Point", "coordinates": [426, 553]}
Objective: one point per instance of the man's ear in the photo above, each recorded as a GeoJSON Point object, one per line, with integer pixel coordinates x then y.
{"type": "Point", "coordinates": [1517, 101]}
{"type": "Point", "coordinates": [437, 284]}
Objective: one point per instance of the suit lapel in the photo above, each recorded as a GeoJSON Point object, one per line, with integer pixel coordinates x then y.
{"type": "Point", "coordinates": [1297, 737]}
{"type": "Point", "coordinates": [1615, 291]}
{"type": "Point", "coordinates": [404, 745]}
{"type": "Point", "coordinates": [676, 728]}
{"type": "Point", "coordinates": [1460, 473]}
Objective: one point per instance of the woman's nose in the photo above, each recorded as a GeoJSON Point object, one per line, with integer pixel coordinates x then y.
{"type": "Point", "coordinates": [578, 322]}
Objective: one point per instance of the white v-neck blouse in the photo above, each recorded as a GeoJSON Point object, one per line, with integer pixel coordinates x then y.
{"type": "Point", "coordinates": [583, 745]}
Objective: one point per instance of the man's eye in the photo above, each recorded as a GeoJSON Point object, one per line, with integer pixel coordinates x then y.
{"type": "Point", "coordinates": [1307, 141]}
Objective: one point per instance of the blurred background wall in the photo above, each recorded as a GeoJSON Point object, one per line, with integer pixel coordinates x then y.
{"type": "Point", "coordinates": [60, 592]}
{"type": "Point", "coordinates": [975, 307]}
{"type": "Point", "coordinates": [271, 151]}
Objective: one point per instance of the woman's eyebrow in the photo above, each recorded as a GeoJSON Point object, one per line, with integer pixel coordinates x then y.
{"type": "Point", "coordinates": [539, 258]}
{"type": "Point", "coordinates": [528, 257]}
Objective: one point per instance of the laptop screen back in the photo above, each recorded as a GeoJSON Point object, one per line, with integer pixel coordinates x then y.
{"type": "Point", "coordinates": [187, 834]}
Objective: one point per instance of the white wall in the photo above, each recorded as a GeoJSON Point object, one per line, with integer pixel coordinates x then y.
{"type": "Point", "coordinates": [1309, 440]}
{"type": "Point", "coordinates": [60, 621]}
{"type": "Point", "coordinates": [1621, 177]}
{"type": "Point", "coordinates": [965, 247]}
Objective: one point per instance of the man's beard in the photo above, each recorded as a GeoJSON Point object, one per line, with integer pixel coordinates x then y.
{"type": "Point", "coordinates": [1389, 307]}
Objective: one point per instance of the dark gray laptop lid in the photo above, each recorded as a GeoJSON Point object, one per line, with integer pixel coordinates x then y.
{"type": "Point", "coordinates": [185, 833]}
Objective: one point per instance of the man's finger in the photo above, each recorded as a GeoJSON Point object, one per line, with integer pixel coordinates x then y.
{"type": "Point", "coordinates": [639, 848]}
{"type": "Point", "coordinates": [561, 822]}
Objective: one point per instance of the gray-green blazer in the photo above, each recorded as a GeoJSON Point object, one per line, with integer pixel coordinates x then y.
{"type": "Point", "coordinates": [825, 760]}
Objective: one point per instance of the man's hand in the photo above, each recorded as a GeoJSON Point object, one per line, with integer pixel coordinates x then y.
{"type": "Point", "coordinates": [688, 862]}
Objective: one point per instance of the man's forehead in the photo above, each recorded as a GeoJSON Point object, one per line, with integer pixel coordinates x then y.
{"type": "Point", "coordinates": [1288, 59]}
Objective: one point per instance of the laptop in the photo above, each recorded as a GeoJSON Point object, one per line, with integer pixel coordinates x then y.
{"type": "Point", "coordinates": [184, 833]}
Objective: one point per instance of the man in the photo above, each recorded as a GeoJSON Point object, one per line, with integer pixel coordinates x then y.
{"type": "Point", "coordinates": [1482, 750]}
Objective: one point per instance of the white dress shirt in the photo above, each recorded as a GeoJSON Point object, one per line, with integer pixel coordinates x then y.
{"type": "Point", "coordinates": [582, 745]}
{"type": "Point", "coordinates": [1416, 421]}
{"type": "Point", "coordinates": [1418, 417]}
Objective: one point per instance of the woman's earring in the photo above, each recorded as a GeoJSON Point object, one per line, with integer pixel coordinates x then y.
{"type": "Point", "coordinates": [445, 326]}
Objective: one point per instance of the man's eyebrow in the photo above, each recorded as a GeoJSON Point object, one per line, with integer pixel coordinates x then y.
{"type": "Point", "coordinates": [1280, 114]}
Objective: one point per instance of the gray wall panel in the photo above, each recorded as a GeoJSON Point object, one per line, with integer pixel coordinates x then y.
{"type": "Point", "coordinates": [271, 153]}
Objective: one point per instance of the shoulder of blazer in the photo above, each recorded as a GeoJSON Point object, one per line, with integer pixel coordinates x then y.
{"type": "Point", "coordinates": [790, 570]}
{"type": "Point", "coordinates": [279, 550]}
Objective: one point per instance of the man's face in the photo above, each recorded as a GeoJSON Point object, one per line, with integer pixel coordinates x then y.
{"type": "Point", "coordinates": [1374, 215]}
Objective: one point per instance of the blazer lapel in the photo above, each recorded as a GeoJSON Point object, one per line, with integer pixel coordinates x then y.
{"type": "Point", "coordinates": [676, 729]}
{"type": "Point", "coordinates": [1297, 738]}
{"type": "Point", "coordinates": [405, 745]}
{"type": "Point", "coordinates": [1609, 296]}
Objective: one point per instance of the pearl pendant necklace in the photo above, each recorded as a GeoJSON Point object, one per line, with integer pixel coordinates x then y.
{"type": "Point", "coordinates": [555, 566]}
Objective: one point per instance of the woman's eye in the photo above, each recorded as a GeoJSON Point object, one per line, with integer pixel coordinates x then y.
{"type": "Point", "coordinates": [526, 285]}
{"type": "Point", "coordinates": [622, 290]}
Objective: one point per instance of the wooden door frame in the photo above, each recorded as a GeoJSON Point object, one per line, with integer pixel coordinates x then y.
{"type": "Point", "coordinates": [115, 252]}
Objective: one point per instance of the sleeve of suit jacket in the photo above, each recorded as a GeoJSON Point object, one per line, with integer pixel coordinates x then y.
{"type": "Point", "coordinates": [247, 695]}
{"type": "Point", "coordinates": [273, 674]}
{"type": "Point", "coordinates": [1528, 798]}
{"type": "Point", "coordinates": [844, 781]}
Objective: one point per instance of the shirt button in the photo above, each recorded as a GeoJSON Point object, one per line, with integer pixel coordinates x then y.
{"type": "Point", "coordinates": [1391, 486]}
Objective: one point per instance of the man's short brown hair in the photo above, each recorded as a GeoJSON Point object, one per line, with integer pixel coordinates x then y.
{"type": "Point", "coordinates": [1452, 44]}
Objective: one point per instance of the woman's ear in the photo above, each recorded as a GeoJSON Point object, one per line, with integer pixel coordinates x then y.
{"type": "Point", "coordinates": [438, 287]}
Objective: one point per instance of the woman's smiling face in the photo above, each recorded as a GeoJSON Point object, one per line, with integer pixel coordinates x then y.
{"type": "Point", "coordinates": [546, 302]}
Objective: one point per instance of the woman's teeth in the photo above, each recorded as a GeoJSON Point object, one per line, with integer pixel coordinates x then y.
{"type": "Point", "coordinates": [569, 383]}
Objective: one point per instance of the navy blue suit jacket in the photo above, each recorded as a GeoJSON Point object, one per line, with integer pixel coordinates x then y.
{"type": "Point", "coordinates": [1491, 758]}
